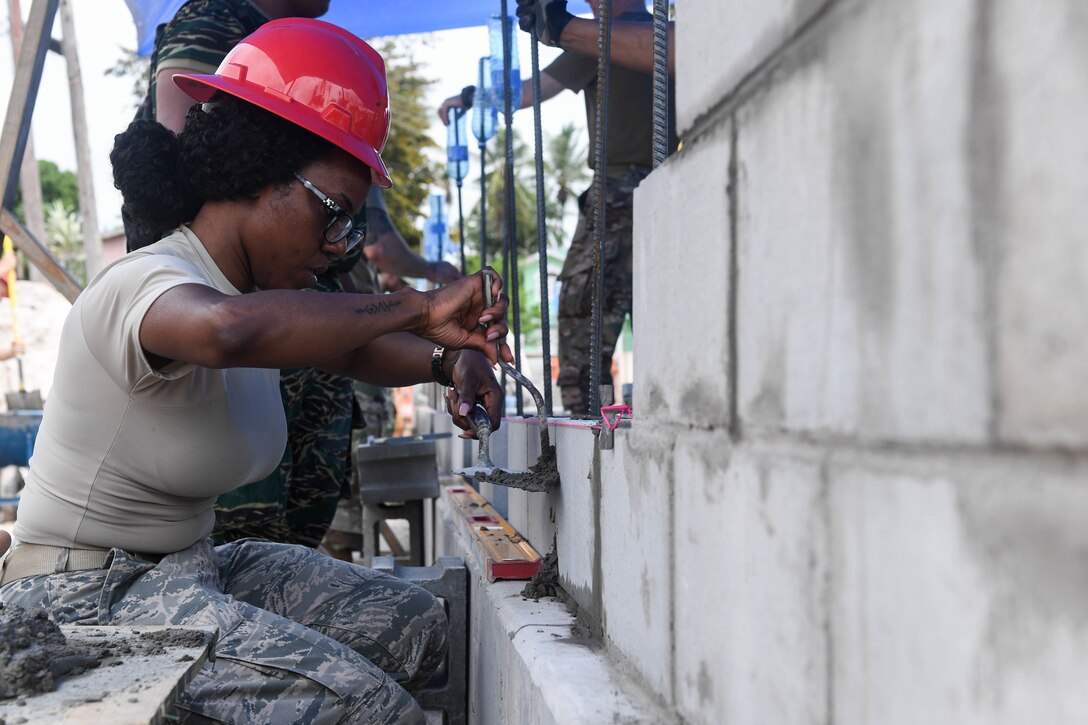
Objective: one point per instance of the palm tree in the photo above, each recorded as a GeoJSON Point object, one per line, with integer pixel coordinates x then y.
{"type": "Point", "coordinates": [65, 233]}
{"type": "Point", "coordinates": [406, 152]}
{"type": "Point", "coordinates": [565, 164]}
{"type": "Point", "coordinates": [566, 174]}
{"type": "Point", "coordinates": [524, 200]}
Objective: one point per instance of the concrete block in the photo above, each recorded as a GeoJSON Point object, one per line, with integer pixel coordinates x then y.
{"type": "Point", "coordinates": [1032, 154]}
{"type": "Point", "coordinates": [750, 585]}
{"type": "Point", "coordinates": [497, 496]}
{"type": "Point", "coordinates": [527, 664]}
{"type": "Point", "coordinates": [577, 515]}
{"type": "Point", "coordinates": [681, 254]}
{"type": "Point", "coordinates": [443, 423]}
{"type": "Point", "coordinates": [719, 43]}
{"type": "Point", "coordinates": [959, 594]}
{"type": "Point", "coordinates": [635, 562]}
{"type": "Point", "coordinates": [536, 521]}
{"type": "Point", "coordinates": [860, 301]}
{"type": "Point", "coordinates": [517, 502]}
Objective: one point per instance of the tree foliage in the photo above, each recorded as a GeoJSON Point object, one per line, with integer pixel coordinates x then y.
{"type": "Point", "coordinates": [565, 173]}
{"type": "Point", "coordinates": [405, 154]}
{"type": "Point", "coordinates": [57, 186]}
{"type": "Point", "coordinates": [136, 69]}
{"type": "Point", "coordinates": [65, 233]}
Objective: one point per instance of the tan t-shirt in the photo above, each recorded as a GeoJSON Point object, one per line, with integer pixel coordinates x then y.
{"type": "Point", "coordinates": [132, 457]}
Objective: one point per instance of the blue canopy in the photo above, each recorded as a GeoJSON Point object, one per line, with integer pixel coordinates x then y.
{"type": "Point", "coordinates": [365, 18]}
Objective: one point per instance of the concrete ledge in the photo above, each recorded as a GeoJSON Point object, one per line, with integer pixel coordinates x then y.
{"type": "Point", "coordinates": [527, 664]}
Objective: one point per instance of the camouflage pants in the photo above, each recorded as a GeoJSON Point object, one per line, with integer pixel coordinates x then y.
{"type": "Point", "coordinates": [576, 290]}
{"type": "Point", "coordinates": [302, 638]}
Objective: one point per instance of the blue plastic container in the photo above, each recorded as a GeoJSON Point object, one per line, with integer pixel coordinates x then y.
{"type": "Point", "coordinates": [485, 116]}
{"type": "Point", "coordinates": [457, 146]}
{"type": "Point", "coordinates": [18, 429]}
{"type": "Point", "coordinates": [494, 31]}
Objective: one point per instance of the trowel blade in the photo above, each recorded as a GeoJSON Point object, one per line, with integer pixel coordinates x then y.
{"type": "Point", "coordinates": [474, 471]}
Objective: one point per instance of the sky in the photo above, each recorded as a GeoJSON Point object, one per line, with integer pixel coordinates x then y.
{"type": "Point", "coordinates": [104, 27]}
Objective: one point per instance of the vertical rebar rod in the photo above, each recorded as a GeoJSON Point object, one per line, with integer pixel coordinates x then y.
{"type": "Point", "coordinates": [510, 262]}
{"type": "Point", "coordinates": [483, 204]}
{"type": "Point", "coordinates": [600, 168]}
{"type": "Point", "coordinates": [661, 82]}
{"type": "Point", "coordinates": [460, 206]}
{"type": "Point", "coordinates": [541, 233]}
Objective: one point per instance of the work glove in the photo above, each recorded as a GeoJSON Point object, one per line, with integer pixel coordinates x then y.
{"type": "Point", "coordinates": [546, 18]}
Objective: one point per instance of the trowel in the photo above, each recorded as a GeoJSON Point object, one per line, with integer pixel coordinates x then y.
{"type": "Point", "coordinates": [542, 475]}
{"type": "Point", "coordinates": [481, 424]}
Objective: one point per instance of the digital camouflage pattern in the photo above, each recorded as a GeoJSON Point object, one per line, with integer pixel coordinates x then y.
{"type": "Point", "coordinates": [576, 290]}
{"type": "Point", "coordinates": [302, 638]}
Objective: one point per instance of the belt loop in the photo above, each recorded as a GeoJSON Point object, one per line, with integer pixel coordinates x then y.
{"type": "Point", "coordinates": [62, 560]}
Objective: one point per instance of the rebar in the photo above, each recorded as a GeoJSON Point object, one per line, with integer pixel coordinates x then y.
{"type": "Point", "coordinates": [460, 205]}
{"type": "Point", "coordinates": [600, 167]}
{"type": "Point", "coordinates": [510, 259]}
{"type": "Point", "coordinates": [661, 82]}
{"type": "Point", "coordinates": [541, 232]}
{"type": "Point", "coordinates": [483, 204]}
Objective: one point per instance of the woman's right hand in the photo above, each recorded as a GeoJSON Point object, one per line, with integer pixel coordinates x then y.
{"type": "Point", "coordinates": [458, 317]}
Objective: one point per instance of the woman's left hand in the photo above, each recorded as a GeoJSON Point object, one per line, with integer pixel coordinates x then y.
{"type": "Point", "coordinates": [474, 382]}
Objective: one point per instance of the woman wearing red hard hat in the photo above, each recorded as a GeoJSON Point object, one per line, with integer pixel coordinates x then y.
{"type": "Point", "coordinates": [166, 391]}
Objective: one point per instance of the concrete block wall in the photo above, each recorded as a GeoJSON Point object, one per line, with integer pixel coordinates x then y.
{"type": "Point", "coordinates": [856, 487]}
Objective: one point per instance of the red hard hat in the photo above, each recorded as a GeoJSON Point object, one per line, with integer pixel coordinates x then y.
{"type": "Point", "coordinates": [314, 74]}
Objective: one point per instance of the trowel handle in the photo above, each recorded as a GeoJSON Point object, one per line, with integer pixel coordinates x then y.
{"type": "Point", "coordinates": [489, 299]}
{"type": "Point", "coordinates": [481, 422]}
{"type": "Point", "coordinates": [481, 425]}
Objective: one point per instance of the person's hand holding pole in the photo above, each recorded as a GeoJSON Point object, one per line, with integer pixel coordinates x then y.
{"type": "Point", "coordinates": [547, 18]}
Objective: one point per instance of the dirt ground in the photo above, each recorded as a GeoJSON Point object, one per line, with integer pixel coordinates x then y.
{"type": "Point", "coordinates": [40, 311]}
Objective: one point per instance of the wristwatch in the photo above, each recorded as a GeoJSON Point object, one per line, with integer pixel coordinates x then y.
{"type": "Point", "coordinates": [437, 372]}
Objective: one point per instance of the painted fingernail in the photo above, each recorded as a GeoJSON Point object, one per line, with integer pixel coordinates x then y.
{"type": "Point", "coordinates": [464, 409]}
{"type": "Point", "coordinates": [485, 319]}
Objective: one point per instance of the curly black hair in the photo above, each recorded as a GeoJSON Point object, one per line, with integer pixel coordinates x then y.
{"type": "Point", "coordinates": [228, 149]}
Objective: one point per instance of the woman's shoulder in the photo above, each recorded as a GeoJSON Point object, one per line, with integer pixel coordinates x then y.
{"type": "Point", "coordinates": [170, 257]}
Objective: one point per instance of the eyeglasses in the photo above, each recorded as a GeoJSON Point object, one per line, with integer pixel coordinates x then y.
{"type": "Point", "coordinates": [342, 225]}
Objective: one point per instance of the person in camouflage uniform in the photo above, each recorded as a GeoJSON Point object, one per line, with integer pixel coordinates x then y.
{"type": "Point", "coordinates": [576, 287]}
{"type": "Point", "coordinates": [628, 159]}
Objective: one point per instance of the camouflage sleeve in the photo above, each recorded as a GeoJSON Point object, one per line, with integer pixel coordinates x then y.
{"type": "Point", "coordinates": [202, 33]}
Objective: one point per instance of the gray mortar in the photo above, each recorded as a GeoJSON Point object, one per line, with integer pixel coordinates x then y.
{"type": "Point", "coordinates": [545, 583]}
{"type": "Point", "coordinates": [541, 476]}
{"type": "Point", "coordinates": [34, 653]}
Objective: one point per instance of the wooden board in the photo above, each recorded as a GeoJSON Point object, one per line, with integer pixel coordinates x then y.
{"type": "Point", "coordinates": [142, 688]}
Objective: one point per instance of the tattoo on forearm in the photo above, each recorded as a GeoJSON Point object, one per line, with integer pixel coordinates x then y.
{"type": "Point", "coordinates": [375, 307]}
